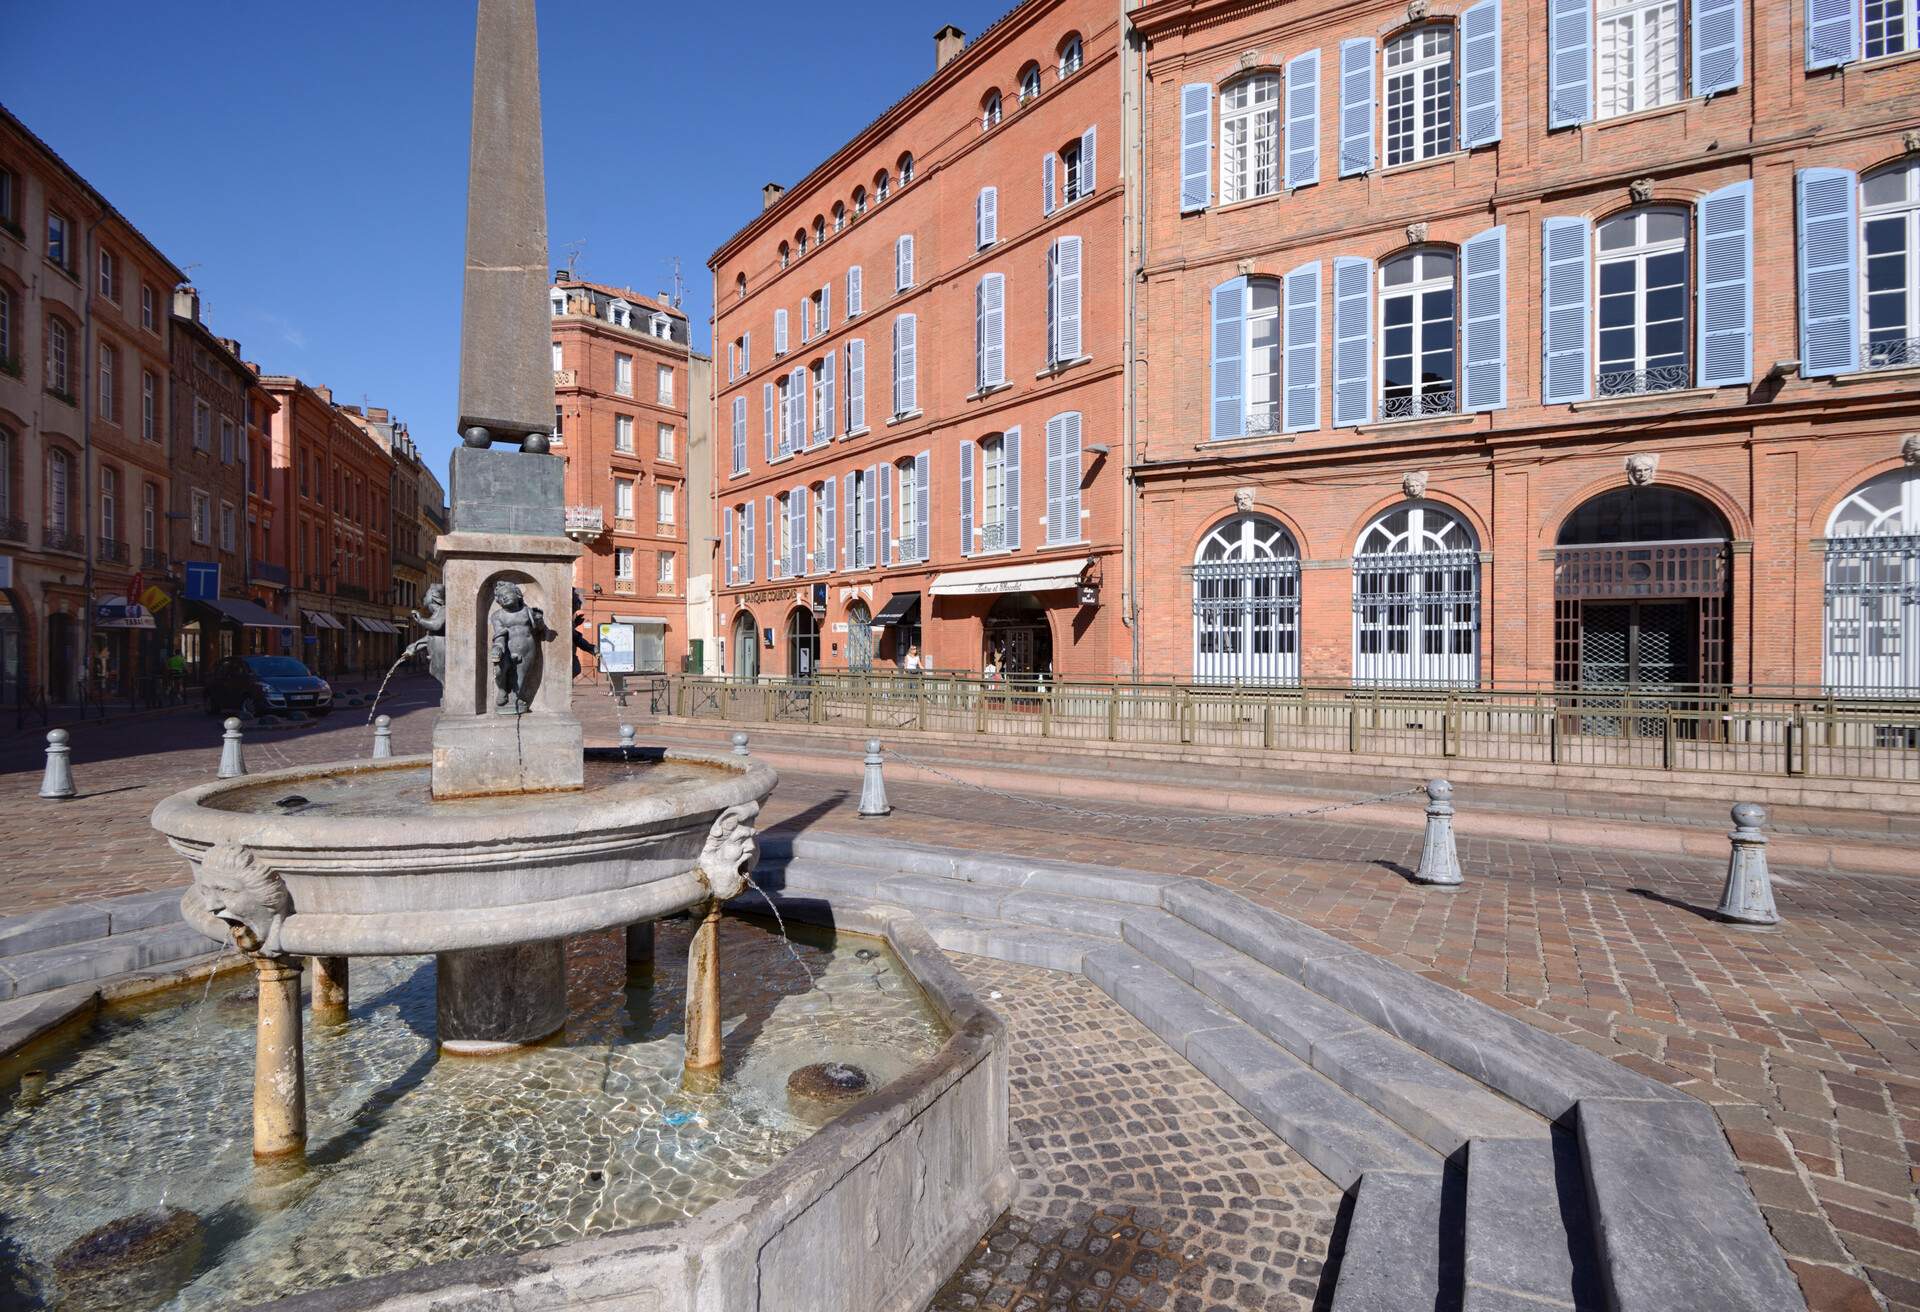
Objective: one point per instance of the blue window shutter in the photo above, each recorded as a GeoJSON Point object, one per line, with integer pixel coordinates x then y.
{"type": "Point", "coordinates": [766, 406]}
{"type": "Point", "coordinates": [1483, 261]}
{"type": "Point", "coordinates": [1352, 341]}
{"type": "Point", "coordinates": [806, 320]}
{"type": "Point", "coordinates": [922, 482]}
{"type": "Point", "coordinates": [780, 331]}
{"type": "Point", "coordinates": [829, 524]}
{"type": "Point", "coordinates": [1303, 119]}
{"type": "Point", "coordinates": [990, 331]}
{"type": "Point", "coordinates": [746, 543]}
{"type": "Point", "coordinates": [1046, 183]}
{"type": "Point", "coordinates": [1229, 359]}
{"type": "Point", "coordinates": [850, 522]}
{"type": "Point", "coordinates": [726, 546]}
{"type": "Point", "coordinates": [886, 525]}
{"type": "Point", "coordinates": [828, 410]}
{"type": "Point", "coordinates": [1566, 366]}
{"type": "Point", "coordinates": [746, 353]}
{"type": "Point", "coordinates": [992, 195]}
{"type": "Point", "coordinates": [1480, 74]}
{"type": "Point", "coordinates": [1716, 46]}
{"type": "Point", "coordinates": [1066, 299]}
{"type": "Point", "coordinates": [966, 498]}
{"type": "Point", "coordinates": [797, 508]}
{"type": "Point", "coordinates": [903, 262]}
{"type": "Point", "coordinates": [1569, 63]}
{"type": "Point", "coordinates": [1829, 278]}
{"type": "Point", "coordinates": [905, 383]}
{"type": "Point", "coordinates": [826, 308]}
{"type": "Point", "coordinates": [1010, 448]}
{"type": "Point", "coordinates": [853, 291]}
{"type": "Point", "coordinates": [1356, 106]}
{"type": "Point", "coordinates": [1064, 472]}
{"type": "Point", "coordinates": [1301, 374]}
{"type": "Point", "coordinates": [1833, 35]}
{"type": "Point", "coordinates": [774, 545]}
{"type": "Point", "coordinates": [1725, 233]}
{"type": "Point", "coordinates": [869, 482]}
{"type": "Point", "coordinates": [1054, 512]}
{"type": "Point", "coordinates": [1088, 140]}
{"type": "Point", "coordinates": [1196, 146]}
{"type": "Point", "coordinates": [856, 384]}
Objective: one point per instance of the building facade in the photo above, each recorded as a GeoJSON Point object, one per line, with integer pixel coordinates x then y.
{"type": "Point", "coordinates": [622, 394]}
{"type": "Point", "coordinates": [1478, 350]}
{"type": "Point", "coordinates": [413, 570]}
{"type": "Point", "coordinates": [919, 374]}
{"type": "Point", "coordinates": [84, 403]}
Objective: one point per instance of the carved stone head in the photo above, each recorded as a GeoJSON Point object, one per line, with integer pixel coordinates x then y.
{"type": "Point", "coordinates": [1910, 141]}
{"type": "Point", "coordinates": [1910, 448]}
{"type": "Point", "coordinates": [731, 850]}
{"type": "Point", "coordinates": [1418, 10]}
{"type": "Point", "coordinates": [1414, 484]}
{"type": "Point", "coordinates": [1243, 499]}
{"type": "Point", "coordinates": [507, 594]}
{"type": "Point", "coordinates": [1416, 233]}
{"type": "Point", "coordinates": [1248, 58]}
{"type": "Point", "coordinates": [250, 899]}
{"type": "Point", "coordinates": [1640, 190]}
{"type": "Point", "coordinates": [1245, 267]}
{"type": "Point", "coordinates": [1640, 468]}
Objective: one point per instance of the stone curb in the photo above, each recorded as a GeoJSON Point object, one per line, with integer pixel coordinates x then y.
{"type": "Point", "coordinates": [48, 950]}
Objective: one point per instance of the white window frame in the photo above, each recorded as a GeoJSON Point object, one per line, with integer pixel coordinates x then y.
{"type": "Point", "coordinates": [905, 526]}
{"type": "Point", "coordinates": [1410, 62]}
{"type": "Point", "coordinates": [1250, 138]}
{"type": "Point", "coordinates": [664, 445]}
{"type": "Point", "coordinates": [1881, 349]}
{"type": "Point", "coordinates": [622, 374]}
{"type": "Point", "coordinates": [1397, 568]}
{"type": "Point", "coordinates": [622, 499]}
{"type": "Point", "coordinates": [1445, 399]}
{"type": "Point", "coordinates": [109, 503]}
{"type": "Point", "coordinates": [993, 493]}
{"type": "Point", "coordinates": [149, 405]}
{"type": "Point", "coordinates": [109, 378]}
{"type": "Point", "coordinates": [1636, 64]}
{"type": "Point", "coordinates": [1877, 16]}
{"type": "Point", "coordinates": [201, 527]}
{"type": "Point", "coordinates": [1640, 376]}
{"type": "Point", "coordinates": [623, 564]}
{"type": "Point", "coordinates": [664, 384]}
{"type": "Point", "coordinates": [623, 434]}
{"type": "Point", "coordinates": [990, 112]}
{"type": "Point", "coordinates": [1246, 604]}
{"type": "Point", "coordinates": [665, 505]}
{"type": "Point", "coordinates": [1871, 634]}
{"type": "Point", "coordinates": [229, 527]}
{"type": "Point", "coordinates": [202, 426]}
{"type": "Point", "coordinates": [1072, 57]}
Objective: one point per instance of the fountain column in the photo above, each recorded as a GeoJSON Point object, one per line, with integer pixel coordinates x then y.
{"type": "Point", "coordinates": [640, 949]}
{"type": "Point", "coordinates": [703, 995]}
{"type": "Point", "coordinates": [279, 1066]}
{"type": "Point", "coordinates": [491, 1000]}
{"type": "Point", "coordinates": [330, 990]}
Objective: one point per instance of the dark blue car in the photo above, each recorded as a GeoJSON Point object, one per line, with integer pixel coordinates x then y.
{"type": "Point", "coordinates": [266, 685]}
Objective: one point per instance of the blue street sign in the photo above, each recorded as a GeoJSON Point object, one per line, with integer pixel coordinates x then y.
{"type": "Point", "coordinates": [203, 579]}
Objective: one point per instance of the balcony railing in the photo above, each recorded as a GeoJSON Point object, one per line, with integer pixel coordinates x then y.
{"type": "Point", "coordinates": [1641, 382]}
{"type": "Point", "coordinates": [408, 560]}
{"type": "Point", "coordinates": [152, 559]}
{"type": "Point", "coordinates": [113, 551]}
{"type": "Point", "coordinates": [1890, 353]}
{"type": "Point", "coordinates": [993, 537]}
{"type": "Point", "coordinates": [353, 592]}
{"type": "Point", "coordinates": [566, 377]}
{"type": "Point", "coordinates": [13, 530]}
{"type": "Point", "coordinates": [265, 571]}
{"type": "Point", "coordinates": [1263, 420]}
{"type": "Point", "coordinates": [584, 522]}
{"type": "Point", "coordinates": [54, 539]}
{"type": "Point", "coordinates": [623, 587]}
{"type": "Point", "coordinates": [1419, 407]}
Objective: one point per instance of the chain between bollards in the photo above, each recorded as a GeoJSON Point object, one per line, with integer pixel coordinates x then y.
{"type": "Point", "coordinates": [1748, 897]}
{"type": "Point", "coordinates": [382, 737]}
{"type": "Point", "coordinates": [1439, 857]}
{"type": "Point", "coordinates": [57, 782]}
{"type": "Point", "coordinates": [232, 764]}
{"type": "Point", "coordinates": [873, 788]}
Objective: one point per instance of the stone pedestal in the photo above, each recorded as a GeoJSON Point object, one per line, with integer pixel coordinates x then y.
{"type": "Point", "coordinates": [279, 1065]}
{"type": "Point", "coordinates": [491, 1000]}
{"type": "Point", "coordinates": [330, 990]}
{"type": "Point", "coordinates": [703, 996]}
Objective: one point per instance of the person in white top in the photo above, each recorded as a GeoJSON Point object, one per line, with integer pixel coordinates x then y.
{"type": "Point", "coordinates": [913, 659]}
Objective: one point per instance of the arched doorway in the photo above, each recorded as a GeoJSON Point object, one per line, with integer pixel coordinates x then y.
{"type": "Point", "coordinates": [1246, 604]}
{"type": "Point", "coordinates": [1873, 589]}
{"type": "Point", "coordinates": [1019, 640]}
{"type": "Point", "coordinates": [1416, 599]}
{"type": "Point", "coordinates": [803, 643]}
{"type": "Point", "coordinates": [1641, 590]}
{"type": "Point", "coordinates": [859, 636]}
{"type": "Point", "coordinates": [746, 647]}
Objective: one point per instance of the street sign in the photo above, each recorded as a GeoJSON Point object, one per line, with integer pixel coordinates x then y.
{"type": "Point", "coordinates": [203, 580]}
{"type": "Point", "coordinates": [616, 649]}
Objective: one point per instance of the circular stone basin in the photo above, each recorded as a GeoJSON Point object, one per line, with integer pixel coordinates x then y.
{"type": "Point", "coordinates": [829, 1081]}
{"type": "Point", "coordinates": [372, 864]}
{"type": "Point", "coordinates": [130, 1264]}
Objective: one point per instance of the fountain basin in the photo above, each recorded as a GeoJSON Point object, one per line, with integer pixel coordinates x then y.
{"type": "Point", "coordinates": [366, 863]}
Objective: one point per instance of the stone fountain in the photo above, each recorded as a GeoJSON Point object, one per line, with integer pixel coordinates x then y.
{"type": "Point", "coordinates": [511, 837]}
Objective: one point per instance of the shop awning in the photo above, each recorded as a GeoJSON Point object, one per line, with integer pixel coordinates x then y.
{"type": "Point", "coordinates": [1040, 576]}
{"type": "Point", "coordinates": [119, 613]}
{"type": "Point", "coordinates": [899, 606]}
{"type": "Point", "coordinates": [641, 621]}
{"type": "Point", "coordinates": [370, 625]}
{"type": "Point", "coordinates": [321, 620]}
{"type": "Point", "coordinates": [247, 614]}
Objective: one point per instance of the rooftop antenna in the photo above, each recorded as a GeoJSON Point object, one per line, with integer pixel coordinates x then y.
{"type": "Point", "coordinates": [574, 248]}
{"type": "Point", "coordinates": [678, 293]}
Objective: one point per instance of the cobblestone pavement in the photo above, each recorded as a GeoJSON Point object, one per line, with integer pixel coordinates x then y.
{"type": "Point", "coordinates": [1141, 1184]}
{"type": "Point", "coordinates": [1804, 1039]}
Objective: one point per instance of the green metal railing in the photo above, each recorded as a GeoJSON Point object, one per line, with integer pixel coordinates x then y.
{"type": "Point", "coordinates": [1784, 733]}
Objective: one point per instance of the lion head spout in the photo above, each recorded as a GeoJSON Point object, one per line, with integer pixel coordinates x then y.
{"type": "Point", "coordinates": [728, 857]}
{"type": "Point", "coordinates": [250, 899]}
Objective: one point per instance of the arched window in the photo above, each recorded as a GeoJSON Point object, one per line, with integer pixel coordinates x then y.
{"type": "Point", "coordinates": [1417, 106]}
{"type": "Point", "coordinates": [880, 187]}
{"type": "Point", "coordinates": [740, 287]}
{"type": "Point", "coordinates": [1637, 55]}
{"type": "Point", "coordinates": [1250, 138]}
{"type": "Point", "coordinates": [990, 112]}
{"type": "Point", "coordinates": [819, 229]}
{"type": "Point", "coordinates": [859, 636]}
{"type": "Point", "coordinates": [785, 255]}
{"type": "Point", "coordinates": [1029, 82]}
{"type": "Point", "coordinates": [905, 169]}
{"type": "Point", "coordinates": [800, 242]}
{"type": "Point", "coordinates": [1873, 588]}
{"type": "Point", "coordinates": [1890, 265]}
{"type": "Point", "coordinates": [1070, 56]}
{"type": "Point", "coordinates": [803, 643]}
{"type": "Point", "coordinates": [1640, 273]}
{"type": "Point", "coordinates": [1246, 604]}
{"type": "Point", "coordinates": [839, 217]}
{"type": "Point", "coordinates": [1416, 599]}
{"type": "Point", "coordinates": [59, 357]}
{"type": "Point", "coordinates": [1418, 329]}
{"type": "Point", "coordinates": [859, 201]}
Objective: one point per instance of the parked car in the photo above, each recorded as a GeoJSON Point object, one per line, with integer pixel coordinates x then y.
{"type": "Point", "coordinates": [266, 685]}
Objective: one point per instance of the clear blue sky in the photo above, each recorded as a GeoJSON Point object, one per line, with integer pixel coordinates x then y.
{"type": "Point", "coordinates": [306, 163]}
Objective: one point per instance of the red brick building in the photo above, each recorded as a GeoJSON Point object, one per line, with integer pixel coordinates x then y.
{"type": "Point", "coordinates": [919, 376]}
{"type": "Point", "coordinates": [621, 399]}
{"type": "Point", "coordinates": [1477, 349]}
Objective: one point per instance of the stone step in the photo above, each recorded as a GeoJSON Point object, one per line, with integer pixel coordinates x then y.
{"type": "Point", "coordinates": [1529, 1235]}
{"type": "Point", "coordinates": [1049, 949]}
{"type": "Point", "coordinates": [36, 931]}
{"type": "Point", "coordinates": [1069, 878]}
{"type": "Point", "coordinates": [933, 893]}
{"type": "Point", "coordinates": [1403, 1245]}
{"type": "Point", "coordinates": [82, 963]}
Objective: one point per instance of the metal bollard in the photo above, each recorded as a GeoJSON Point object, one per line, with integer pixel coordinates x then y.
{"type": "Point", "coordinates": [873, 789]}
{"type": "Point", "coordinates": [627, 743]}
{"type": "Point", "coordinates": [57, 782]}
{"type": "Point", "coordinates": [382, 737]}
{"type": "Point", "coordinates": [1748, 896]}
{"type": "Point", "coordinates": [231, 763]}
{"type": "Point", "coordinates": [1439, 858]}
{"type": "Point", "coordinates": [740, 744]}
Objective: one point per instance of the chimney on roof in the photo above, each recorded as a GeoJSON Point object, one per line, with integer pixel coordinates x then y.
{"type": "Point", "coordinates": [186, 302]}
{"type": "Point", "coordinates": [324, 392]}
{"type": "Point", "coordinates": [769, 194]}
{"type": "Point", "coordinates": [948, 42]}
{"type": "Point", "coordinates": [377, 413]}
{"type": "Point", "coordinates": [560, 275]}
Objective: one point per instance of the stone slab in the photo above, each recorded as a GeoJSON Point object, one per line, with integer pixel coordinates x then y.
{"type": "Point", "coordinates": [809, 878]}
{"type": "Point", "coordinates": [1274, 940]}
{"type": "Point", "coordinates": [1676, 1223]}
{"type": "Point", "coordinates": [1082, 915]}
{"type": "Point", "coordinates": [80, 963]}
{"type": "Point", "coordinates": [943, 895]}
{"type": "Point", "coordinates": [38, 931]}
{"type": "Point", "coordinates": [1173, 944]}
{"type": "Point", "coordinates": [1156, 999]}
{"type": "Point", "coordinates": [25, 1019]}
{"type": "Point", "coordinates": [1529, 1236]}
{"type": "Point", "coordinates": [1043, 948]}
{"type": "Point", "coordinates": [1289, 1013]}
{"type": "Point", "coordinates": [143, 910]}
{"type": "Point", "coordinates": [1395, 1249]}
{"type": "Point", "coordinates": [504, 491]}
{"type": "Point", "coordinates": [1538, 1070]}
{"type": "Point", "coordinates": [1434, 1103]}
{"type": "Point", "coordinates": [164, 945]}
{"type": "Point", "coordinates": [1076, 880]}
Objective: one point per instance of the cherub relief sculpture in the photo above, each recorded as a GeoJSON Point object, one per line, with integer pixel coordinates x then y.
{"type": "Point", "coordinates": [250, 899]}
{"type": "Point", "coordinates": [732, 847]}
{"type": "Point", "coordinates": [580, 643]}
{"type": "Point", "coordinates": [518, 630]}
{"type": "Point", "coordinates": [434, 622]}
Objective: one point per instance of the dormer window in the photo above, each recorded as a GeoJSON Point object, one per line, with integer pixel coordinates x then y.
{"type": "Point", "coordinates": [619, 313]}
{"type": "Point", "coordinates": [660, 326]}
{"type": "Point", "coordinates": [558, 300]}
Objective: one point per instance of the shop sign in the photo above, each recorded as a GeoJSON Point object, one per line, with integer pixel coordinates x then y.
{"type": "Point", "coordinates": [202, 578]}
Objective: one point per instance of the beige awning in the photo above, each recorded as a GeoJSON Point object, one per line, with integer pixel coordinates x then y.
{"type": "Point", "coordinates": [1038, 576]}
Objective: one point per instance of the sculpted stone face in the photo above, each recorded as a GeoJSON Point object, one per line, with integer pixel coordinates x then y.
{"type": "Point", "coordinates": [252, 900]}
{"type": "Point", "coordinates": [731, 850]}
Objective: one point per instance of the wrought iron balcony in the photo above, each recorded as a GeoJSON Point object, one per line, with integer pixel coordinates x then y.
{"type": "Point", "coordinates": [13, 530]}
{"type": "Point", "coordinates": [153, 560]}
{"type": "Point", "coordinates": [265, 571]}
{"type": "Point", "coordinates": [566, 377]}
{"type": "Point", "coordinates": [1642, 382]}
{"type": "Point", "coordinates": [1423, 406]}
{"type": "Point", "coordinates": [1890, 353]}
{"type": "Point", "coordinates": [54, 539]}
{"type": "Point", "coordinates": [584, 523]}
{"type": "Point", "coordinates": [113, 551]}
{"type": "Point", "coordinates": [1263, 420]}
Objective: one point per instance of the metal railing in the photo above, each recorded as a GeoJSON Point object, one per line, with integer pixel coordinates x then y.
{"type": "Point", "coordinates": [1640, 382]}
{"type": "Point", "coordinates": [112, 551]}
{"type": "Point", "coordinates": [1889, 352]}
{"type": "Point", "coordinates": [1804, 733]}
{"type": "Point", "coordinates": [1416, 407]}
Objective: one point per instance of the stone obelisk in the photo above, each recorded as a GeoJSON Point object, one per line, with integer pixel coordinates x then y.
{"type": "Point", "coordinates": [506, 721]}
